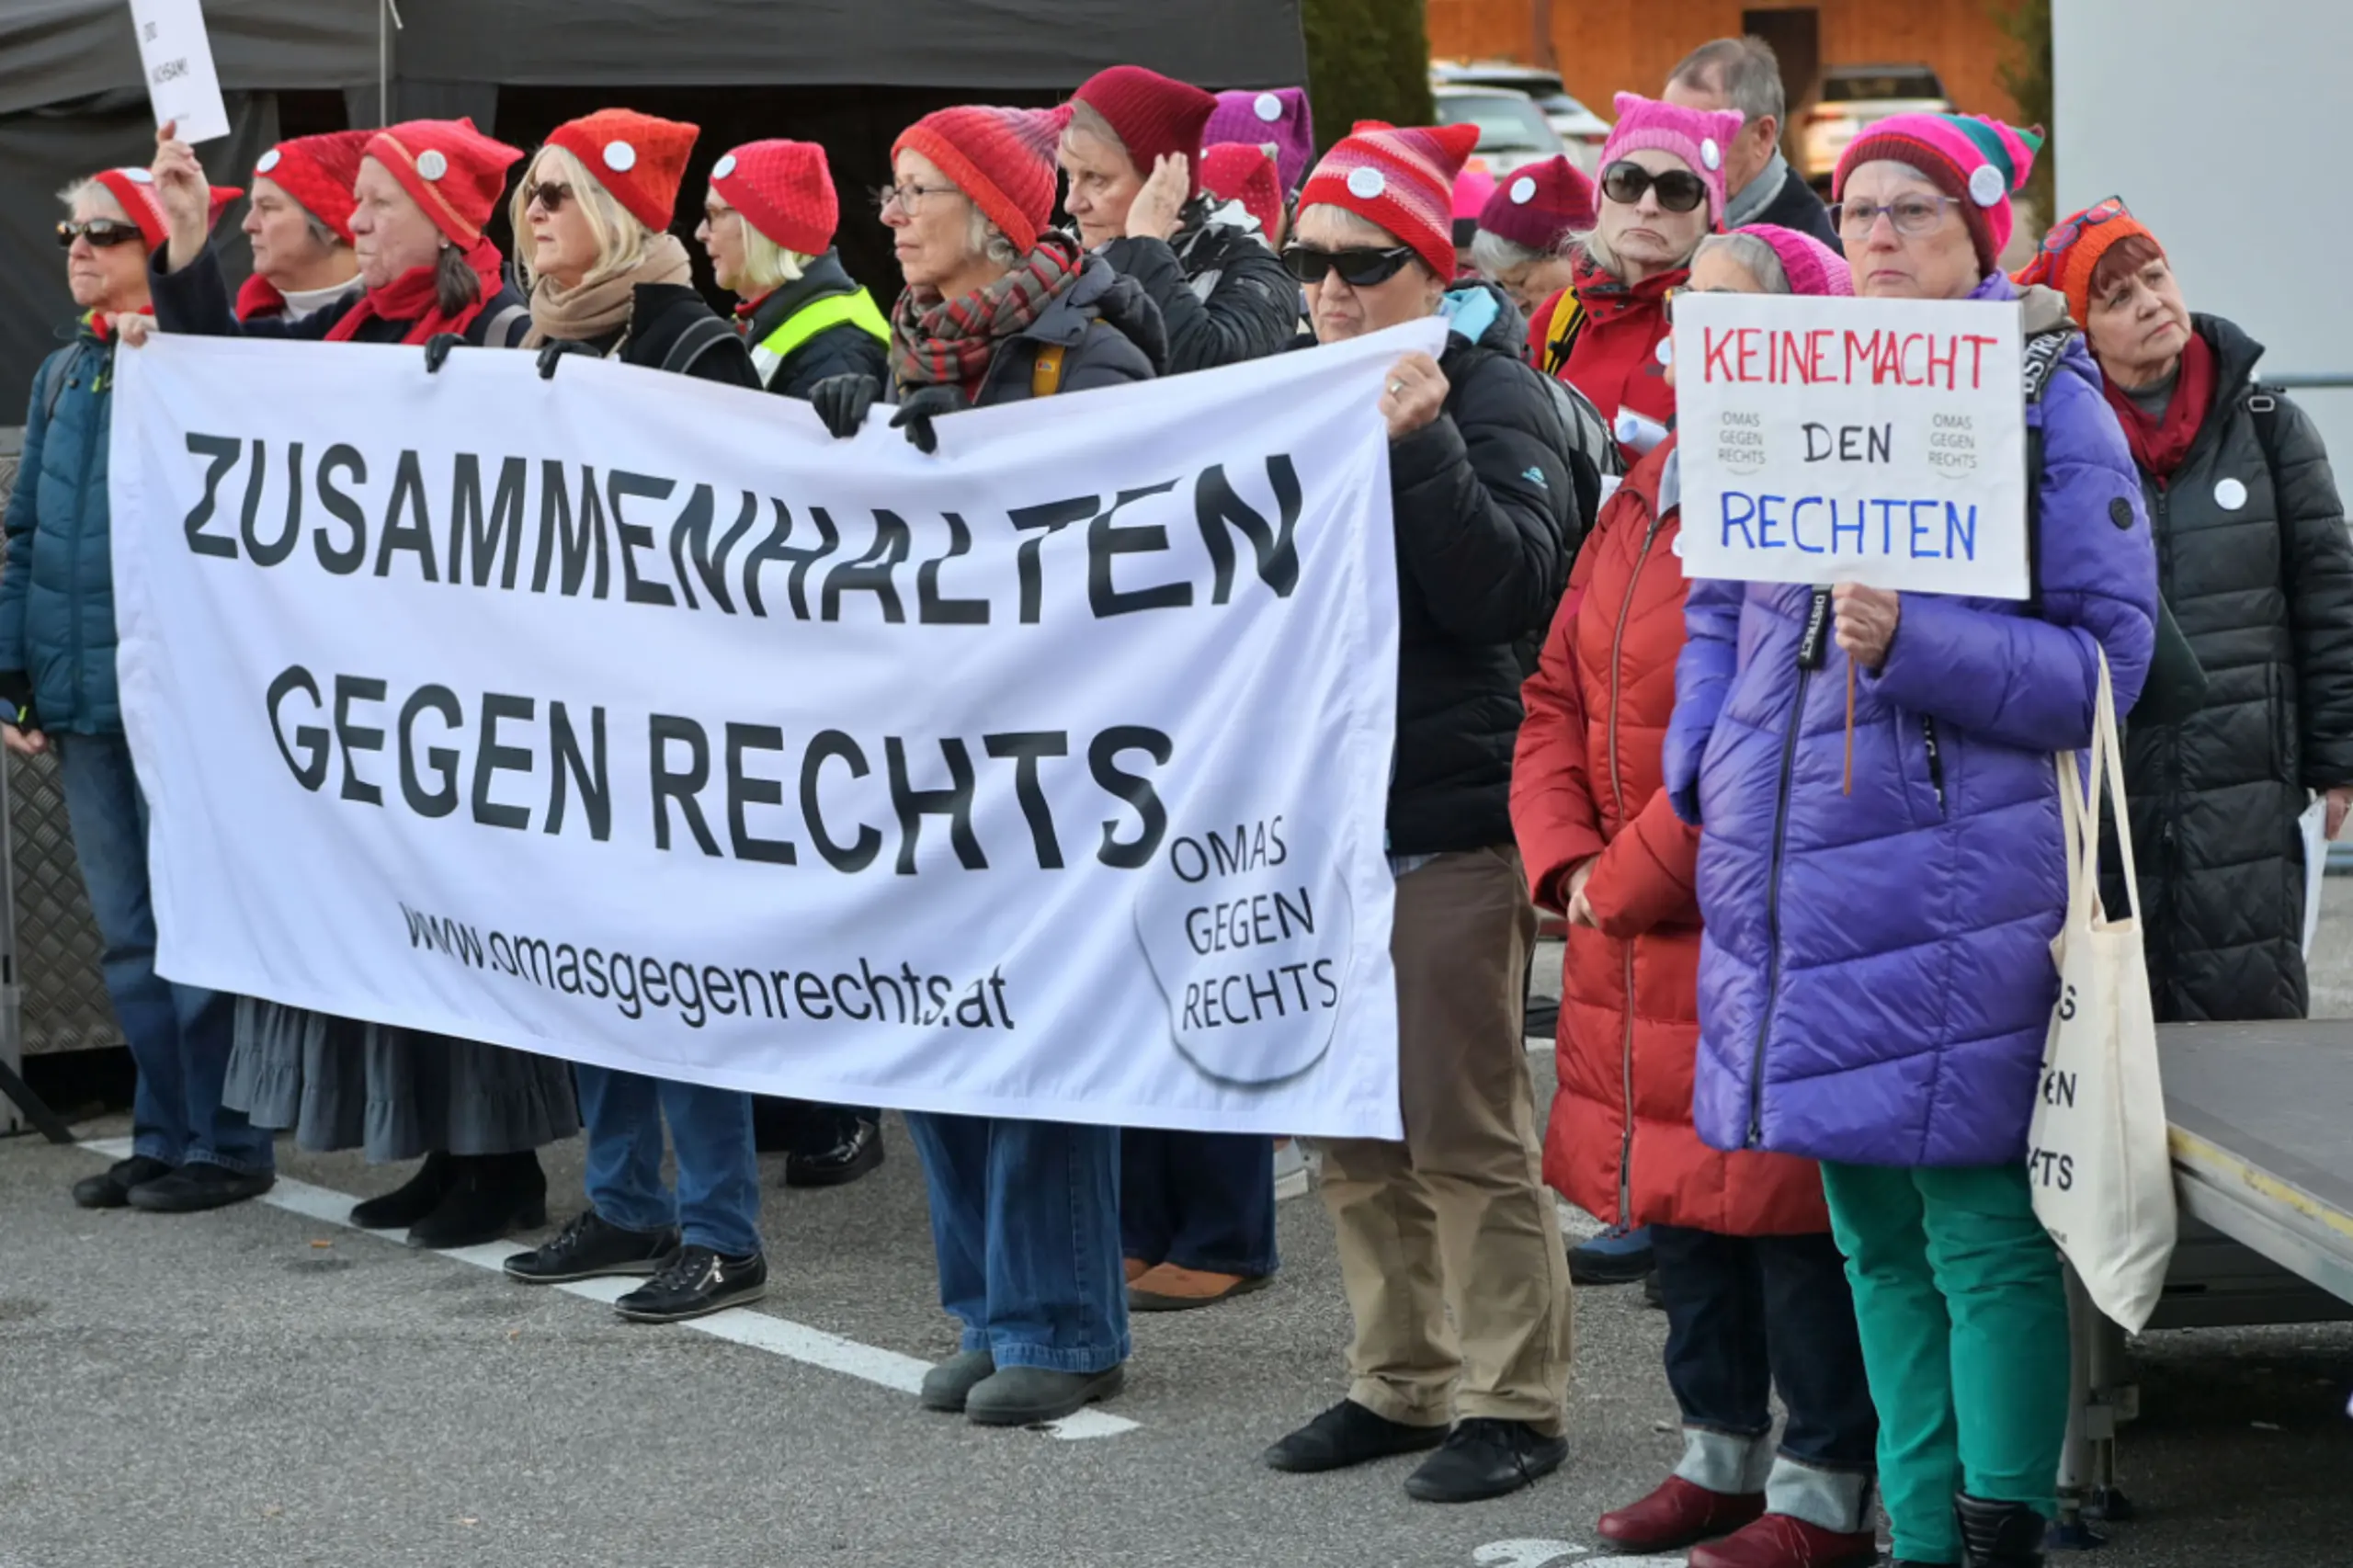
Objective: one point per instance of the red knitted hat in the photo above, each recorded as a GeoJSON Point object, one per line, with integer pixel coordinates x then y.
{"type": "Point", "coordinates": [1239, 171]}
{"type": "Point", "coordinates": [1541, 204]}
{"type": "Point", "coordinates": [135, 189]}
{"type": "Point", "coordinates": [453, 171]}
{"type": "Point", "coordinates": [1401, 179]}
{"type": "Point", "coordinates": [318, 173]}
{"type": "Point", "coordinates": [783, 189]}
{"type": "Point", "coordinates": [638, 157]}
{"type": "Point", "coordinates": [1155, 116]}
{"type": "Point", "coordinates": [1001, 159]}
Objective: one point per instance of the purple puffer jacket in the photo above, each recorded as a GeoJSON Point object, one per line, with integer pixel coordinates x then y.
{"type": "Point", "coordinates": [1876, 979]}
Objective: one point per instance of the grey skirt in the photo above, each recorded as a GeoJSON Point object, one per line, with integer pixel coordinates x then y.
{"type": "Point", "coordinates": [395, 1094]}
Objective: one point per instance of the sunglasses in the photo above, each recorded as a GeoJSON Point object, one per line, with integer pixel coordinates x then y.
{"type": "Point", "coordinates": [1680, 191]}
{"type": "Point", "coordinates": [2065, 236]}
{"type": "Point", "coordinates": [550, 194]}
{"type": "Point", "coordinates": [1360, 269]}
{"type": "Point", "coordinates": [103, 233]}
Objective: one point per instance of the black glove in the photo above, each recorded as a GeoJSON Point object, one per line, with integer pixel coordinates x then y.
{"type": "Point", "coordinates": [921, 406]}
{"type": "Point", "coordinates": [16, 696]}
{"type": "Point", "coordinates": [842, 402]}
{"type": "Point", "coordinates": [437, 349]}
{"type": "Point", "coordinates": [552, 352]}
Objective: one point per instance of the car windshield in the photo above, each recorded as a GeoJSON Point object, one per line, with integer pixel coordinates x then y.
{"type": "Point", "coordinates": [1502, 122]}
{"type": "Point", "coordinates": [1862, 86]}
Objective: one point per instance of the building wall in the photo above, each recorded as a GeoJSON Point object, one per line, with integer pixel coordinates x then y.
{"type": "Point", "coordinates": [1607, 46]}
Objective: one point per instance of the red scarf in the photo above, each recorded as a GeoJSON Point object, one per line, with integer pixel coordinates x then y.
{"type": "Point", "coordinates": [2159, 444]}
{"type": "Point", "coordinates": [413, 298]}
{"type": "Point", "coordinates": [97, 322]}
{"type": "Point", "coordinates": [258, 299]}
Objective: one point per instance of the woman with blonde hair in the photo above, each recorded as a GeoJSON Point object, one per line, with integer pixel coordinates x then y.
{"type": "Point", "coordinates": [769, 226]}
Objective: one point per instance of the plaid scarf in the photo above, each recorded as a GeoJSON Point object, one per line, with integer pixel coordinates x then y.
{"type": "Point", "coordinates": [942, 341]}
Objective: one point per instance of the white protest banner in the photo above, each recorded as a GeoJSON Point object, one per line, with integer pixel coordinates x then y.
{"type": "Point", "coordinates": [176, 56]}
{"type": "Point", "coordinates": [635, 719]}
{"type": "Point", "coordinates": [1877, 441]}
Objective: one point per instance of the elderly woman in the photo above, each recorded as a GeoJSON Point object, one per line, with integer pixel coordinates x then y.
{"type": "Point", "coordinates": [1661, 191]}
{"type": "Point", "coordinates": [1000, 308]}
{"type": "Point", "coordinates": [298, 223]}
{"type": "Point", "coordinates": [1132, 151]}
{"type": "Point", "coordinates": [477, 1112]}
{"type": "Point", "coordinates": [1755, 1291]}
{"type": "Point", "coordinates": [767, 226]}
{"type": "Point", "coordinates": [1450, 1246]}
{"type": "Point", "coordinates": [2255, 563]}
{"type": "Point", "coordinates": [1877, 982]}
{"type": "Point", "coordinates": [1528, 229]}
{"type": "Point", "coordinates": [57, 673]}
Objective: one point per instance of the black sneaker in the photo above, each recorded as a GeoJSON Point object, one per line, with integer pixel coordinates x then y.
{"type": "Point", "coordinates": [194, 1189]}
{"type": "Point", "coordinates": [857, 1151]}
{"type": "Point", "coordinates": [1346, 1435]}
{"type": "Point", "coordinates": [111, 1189]}
{"type": "Point", "coordinates": [1484, 1458]}
{"type": "Point", "coordinates": [695, 1283]}
{"type": "Point", "coordinates": [591, 1249]}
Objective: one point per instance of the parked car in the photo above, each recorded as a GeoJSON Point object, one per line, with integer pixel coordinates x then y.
{"type": "Point", "coordinates": [1583, 130]}
{"type": "Point", "coordinates": [1512, 130]}
{"type": "Point", "coordinates": [1856, 96]}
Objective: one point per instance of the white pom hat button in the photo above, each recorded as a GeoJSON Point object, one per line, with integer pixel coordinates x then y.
{"type": "Point", "coordinates": [2229, 494]}
{"type": "Point", "coordinates": [620, 157]}
{"type": "Point", "coordinates": [1267, 107]}
{"type": "Point", "coordinates": [139, 177]}
{"type": "Point", "coordinates": [1710, 154]}
{"type": "Point", "coordinates": [1523, 191]}
{"type": "Point", "coordinates": [431, 164]}
{"type": "Point", "coordinates": [1986, 187]}
{"type": "Point", "coordinates": [725, 167]}
{"type": "Point", "coordinates": [1366, 184]}
{"type": "Point", "coordinates": [268, 161]}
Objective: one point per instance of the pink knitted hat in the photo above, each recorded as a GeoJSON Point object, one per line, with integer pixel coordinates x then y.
{"type": "Point", "coordinates": [1978, 162]}
{"type": "Point", "coordinates": [1537, 206]}
{"type": "Point", "coordinates": [1278, 114]}
{"type": "Point", "coordinates": [1697, 136]}
{"type": "Point", "coordinates": [1400, 177]}
{"type": "Point", "coordinates": [1811, 266]}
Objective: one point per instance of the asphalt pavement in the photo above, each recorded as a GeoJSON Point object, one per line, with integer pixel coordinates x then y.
{"type": "Point", "coordinates": [264, 1386]}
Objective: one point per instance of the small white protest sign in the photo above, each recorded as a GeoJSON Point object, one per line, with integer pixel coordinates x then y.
{"type": "Point", "coordinates": [176, 56]}
{"type": "Point", "coordinates": [1829, 441]}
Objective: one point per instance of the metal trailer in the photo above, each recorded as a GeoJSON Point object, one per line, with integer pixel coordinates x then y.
{"type": "Point", "coordinates": [2259, 1116]}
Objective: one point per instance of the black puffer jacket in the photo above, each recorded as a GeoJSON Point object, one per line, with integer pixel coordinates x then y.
{"type": "Point", "coordinates": [1225, 296]}
{"type": "Point", "coordinates": [1107, 326]}
{"type": "Point", "coordinates": [196, 299]}
{"type": "Point", "coordinates": [2264, 592]}
{"type": "Point", "coordinates": [843, 350]}
{"type": "Point", "coordinates": [1486, 516]}
{"type": "Point", "coordinates": [662, 316]}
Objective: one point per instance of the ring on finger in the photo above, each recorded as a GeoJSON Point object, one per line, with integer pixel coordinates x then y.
{"type": "Point", "coordinates": [1396, 387]}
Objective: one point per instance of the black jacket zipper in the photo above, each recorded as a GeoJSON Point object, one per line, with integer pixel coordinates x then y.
{"type": "Point", "coordinates": [1936, 760]}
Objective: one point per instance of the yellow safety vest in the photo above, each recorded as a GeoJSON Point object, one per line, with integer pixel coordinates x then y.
{"type": "Point", "coordinates": [855, 309]}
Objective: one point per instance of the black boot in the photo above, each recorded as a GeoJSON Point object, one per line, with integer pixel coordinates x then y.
{"type": "Point", "coordinates": [410, 1201]}
{"type": "Point", "coordinates": [1999, 1535]}
{"type": "Point", "coordinates": [488, 1196]}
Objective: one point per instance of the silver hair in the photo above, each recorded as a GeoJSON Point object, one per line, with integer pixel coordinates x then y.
{"type": "Point", "coordinates": [983, 238]}
{"type": "Point", "coordinates": [1494, 256]}
{"type": "Point", "coordinates": [1744, 70]}
{"type": "Point", "coordinates": [1354, 223]}
{"type": "Point", "coordinates": [1753, 254]}
{"type": "Point", "coordinates": [327, 237]}
{"type": "Point", "coordinates": [1085, 117]}
{"type": "Point", "coordinates": [73, 194]}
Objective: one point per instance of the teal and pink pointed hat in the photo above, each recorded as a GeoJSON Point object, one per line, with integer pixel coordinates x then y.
{"type": "Point", "coordinates": [1979, 162]}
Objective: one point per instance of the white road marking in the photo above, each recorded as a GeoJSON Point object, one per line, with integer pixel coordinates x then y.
{"type": "Point", "coordinates": [737, 1325]}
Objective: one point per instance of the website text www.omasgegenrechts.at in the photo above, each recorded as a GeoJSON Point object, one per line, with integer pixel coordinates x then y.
{"type": "Point", "coordinates": [642, 984]}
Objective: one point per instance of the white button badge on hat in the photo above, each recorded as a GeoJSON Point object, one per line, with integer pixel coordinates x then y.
{"type": "Point", "coordinates": [431, 164]}
{"type": "Point", "coordinates": [139, 177]}
{"type": "Point", "coordinates": [1710, 154]}
{"type": "Point", "coordinates": [268, 161]}
{"type": "Point", "coordinates": [725, 167]}
{"type": "Point", "coordinates": [1986, 187]}
{"type": "Point", "coordinates": [1523, 191]}
{"type": "Point", "coordinates": [620, 157]}
{"type": "Point", "coordinates": [2229, 494]}
{"type": "Point", "coordinates": [1267, 106]}
{"type": "Point", "coordinates": [1366, 184]}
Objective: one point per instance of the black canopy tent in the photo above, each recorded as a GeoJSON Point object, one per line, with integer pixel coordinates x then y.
{"type": "Point", "coordinates": [848, 73]}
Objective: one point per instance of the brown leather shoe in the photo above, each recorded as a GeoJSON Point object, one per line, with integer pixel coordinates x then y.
{"type": "Point", "coordinates": [1777, 1540]}
{"type": "Point", "coordinates": [1678, 1515]}
{"type": "Point", "coordinates": [1137, 1269]}
{"type": "Point", "coordinates": [1169, 1289]}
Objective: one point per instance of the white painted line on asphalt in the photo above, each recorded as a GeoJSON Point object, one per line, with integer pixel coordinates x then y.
{"type": "Point", "coordinates": [737, 1325]}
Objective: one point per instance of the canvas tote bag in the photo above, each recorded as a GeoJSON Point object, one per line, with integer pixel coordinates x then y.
{"type": "Point", "coordinates": [2103, 1181]}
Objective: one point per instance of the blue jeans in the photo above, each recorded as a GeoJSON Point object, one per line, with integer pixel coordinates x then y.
{"type": "Point", "coordinates": [1025, 1218]}
{"type": "Point", "coordinates": [1202, 1201]}
{"type": "Point", "coordinates": [178, 1034]}
{"type": "Point", "coordinates": [718, 1201]}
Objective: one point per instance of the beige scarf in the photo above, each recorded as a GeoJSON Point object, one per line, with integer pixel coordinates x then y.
{"type": "Point", "coordinates": [594, 309]}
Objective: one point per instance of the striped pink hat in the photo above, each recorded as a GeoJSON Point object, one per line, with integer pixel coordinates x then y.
{"type": "Point", "coordinates": [1811, 266]}
{"type": "Point", "coordinates": [1400, 179]}
{"type": "Point", "coordinates": [1979, 162]}
{"type": "Point", "coordinates": [1700, 137]}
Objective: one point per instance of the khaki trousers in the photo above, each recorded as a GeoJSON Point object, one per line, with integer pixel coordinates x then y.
{"type": "Point", "coordinates": [1456, 1217]}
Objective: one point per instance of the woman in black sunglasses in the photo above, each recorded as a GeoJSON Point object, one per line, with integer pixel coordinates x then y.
{"type": "Point", "coordinates": [1661, 191]}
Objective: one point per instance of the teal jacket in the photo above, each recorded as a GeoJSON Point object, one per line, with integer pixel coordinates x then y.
{"type": "Point", "coordinates": [57, 636]}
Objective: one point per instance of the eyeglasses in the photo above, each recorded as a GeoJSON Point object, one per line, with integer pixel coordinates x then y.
{"type": "Point", "coordinates": [550, 194]}
{"type": "Point", "coordinates": [103, 233]}
{"type": "Point", "coordinates": [1680, 191]}
{"type": "Point", "coordinates": [1912, 215]}
{"type": "Point", "coordinates": [1360, 269]}
{"type": "Point", "coordinates": [907, 195]}
{"type": "Point", "coordinates": [2063, 237]}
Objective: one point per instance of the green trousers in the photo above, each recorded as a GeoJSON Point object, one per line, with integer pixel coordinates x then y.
{"type": "Point", "coordinates": [1963, 1313]}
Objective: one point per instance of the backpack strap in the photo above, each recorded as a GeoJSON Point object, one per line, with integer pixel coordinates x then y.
{"type": "Point", "coordinates": [2039, 362]}
{"type": "Point", "coordinates": [2262, 411]}
{"type": "Point", "coordinates": [1046, 370]}
{"type": "Point", "coordinates": [52, 382]}
{"type": "Point", "coordinates": [1560, 335]}
{"type": "Point", "coordinates": [703, 335]}
{"type": "Point", "coordinates": [500, 331]}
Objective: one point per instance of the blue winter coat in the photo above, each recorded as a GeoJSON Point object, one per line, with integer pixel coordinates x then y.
{"type": "Point", "coordinates": [57, 635]}
{"type": "Point", "coordinates": [1876, 979]}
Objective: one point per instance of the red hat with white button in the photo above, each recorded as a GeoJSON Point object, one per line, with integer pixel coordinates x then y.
{"type": "Point", "coordinates": [1539, 205]}
{"type": "Point", "coordinates": [135, 189]}
{"type": "Point", "coordinates": [452, 171]}
{"type": "Point", "coordinates": [783, 189]}
{"type": "Point", "coordinates": [638, 157]}
{"type": "Point", "coordinates": [1401, 178]}
{"type": "Point", "coordinates": [318, 173]}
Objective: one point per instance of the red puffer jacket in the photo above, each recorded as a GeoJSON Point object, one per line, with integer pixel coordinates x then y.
{"type": "Point", "coordinates": [1615, 359]}
{"type": "Point", "coordinates": [1587, 781]}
